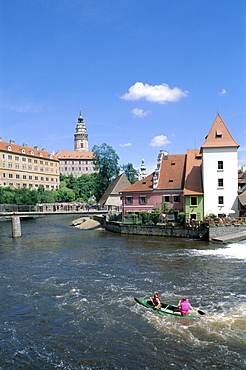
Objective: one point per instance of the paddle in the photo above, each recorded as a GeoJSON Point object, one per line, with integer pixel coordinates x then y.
{"type": "Point", "coordinates": [199, 311]}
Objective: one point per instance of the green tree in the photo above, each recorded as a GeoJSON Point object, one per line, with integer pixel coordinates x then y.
{"type": "Point", "coordinates": [106, 162]}
{"type": "Point", "coordinates": [130, 172]}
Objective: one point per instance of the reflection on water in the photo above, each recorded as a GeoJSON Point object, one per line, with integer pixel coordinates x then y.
{"type": "Point", "coordinates": [67, 300]}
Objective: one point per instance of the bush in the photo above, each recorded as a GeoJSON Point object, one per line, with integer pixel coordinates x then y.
{"type": "Point", "coordinates": [155, 217]}
{"type": "Point", "coordinates": [145, 216]}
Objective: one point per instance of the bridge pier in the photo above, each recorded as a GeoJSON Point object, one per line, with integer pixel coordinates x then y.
{"type": "Point", "coordinates": [16, 227]}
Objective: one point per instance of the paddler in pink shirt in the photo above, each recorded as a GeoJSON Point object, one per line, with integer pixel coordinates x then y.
{"type": "Point", "coordinates": [184, 307]}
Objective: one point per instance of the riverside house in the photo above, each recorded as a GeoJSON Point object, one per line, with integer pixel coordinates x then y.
{"type": "Point", "coordinates": [197, 183]}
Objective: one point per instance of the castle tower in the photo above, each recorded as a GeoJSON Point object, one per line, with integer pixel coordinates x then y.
{"type": "Point", "coordinates": [220, 170]}
{"type": "Point", "coordinates": [80, 136]}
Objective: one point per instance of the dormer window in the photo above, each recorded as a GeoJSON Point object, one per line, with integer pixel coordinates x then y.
{"type": "Point", "coordinates": [51, 156]}
{"type": "Point", "coordinates": [32, 152]}
{"type": "Point", "coordinates": [40, 154]}
{"type": "Point", "coordinates": [218, 134]}
{"type": "Point", "coordinates": [23, 151]}
{"type": "Point", "coordinates": [9, 148]}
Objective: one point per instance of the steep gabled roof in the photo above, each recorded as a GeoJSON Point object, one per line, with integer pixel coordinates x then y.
{"type": "Point", "coordinates": [193, 173]}
{"type": "Point", "coordinates": [172, 172]}
{"type": "Point", "coordinates": [145, 184]}
{"type": "Point", "coordinates": [219, 135]}
{"type": "Point", "coordinates": [115, 187]}
{"type": "Point", "coordinates": [74, 154]}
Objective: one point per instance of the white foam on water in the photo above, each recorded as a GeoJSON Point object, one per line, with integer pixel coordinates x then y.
{"type": "Point", "coordinates": [235, 250]}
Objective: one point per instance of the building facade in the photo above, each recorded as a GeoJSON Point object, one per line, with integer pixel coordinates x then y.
{"type": "Point", "coordinates": [80, 161]}
{"type": "Point", "coordinates": [220, 170]}
{"type": "Point", "coordinates": [24, 167]}
{"type": "Point", "coordinates": [198, 183]}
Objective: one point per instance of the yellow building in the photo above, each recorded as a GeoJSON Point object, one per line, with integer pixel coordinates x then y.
{"type": "Point", "coordinates": [24, 167]}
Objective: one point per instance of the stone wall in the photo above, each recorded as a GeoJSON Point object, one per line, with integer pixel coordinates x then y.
{"type": "Point", "coordinates": [170, 231]}
{"type": "Point", "coordinates": [221, 230]}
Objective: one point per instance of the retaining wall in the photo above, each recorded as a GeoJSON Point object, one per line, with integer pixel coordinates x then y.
{"type": "Point", "coordinates": [170, 231]}
{"type": "Point", "coordinates": [222, 230]}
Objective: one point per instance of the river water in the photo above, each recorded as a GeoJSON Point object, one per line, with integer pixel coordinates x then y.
{"type": "Point", "coordinates": [67, 300]}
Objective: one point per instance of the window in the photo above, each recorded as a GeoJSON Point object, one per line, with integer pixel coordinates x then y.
{"type": "Point", "coordinates": [220, 183]}
{"type": "Point", "coordinates": [143, 199]}
{"type": "Point", "coordinates": [10, 175]}
{"type": "Point", "coordinates": [17, 158]}
{"type": "Point", "coordinates": [10, 165]}
{"type": "Point", "coordinates": [220, 165]}
{"type": "Point", "coordinates": [24, 167]}
{"type": "Point", "coordinates": [128, 200]}
{"type": "Point", "coordinates": [167, 198]}
{"type": "Point", "coordinates": [23, 159]}
{"type": "Point", "coordinates": [30, 177]}
{"type": "Point", "coordinates": [17, 166]}
{"type": "Point", "coordinates": [3, 156]}
{"type": "Point", "coordinates": [35, 161]}
{"type": "Point", "coordinates": [42, 179]}
{"type": "Point", "coordinates": [17, 176]}
{"type": "Point", "coordinates": [36, 177]}
{"type": "Point", "coordinates": [193, 201]}
{"type": "Point", "coordinates": [46, 163]}
{"type": "Point", "coordinates": [9, 156]}
{"type": "Point", "coordinates": [47, 179]}
{"type": "Point", "coordinates": [41, 162]}
{"type": "Point", "coordinates": [176, 199]}
{"type": "Point", "coordinates": [29, 160]}
{"type": "Point", "coordinates": [221, 200]}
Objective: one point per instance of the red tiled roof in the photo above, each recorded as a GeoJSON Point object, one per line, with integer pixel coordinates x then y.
{"type": "Point", "coordinates": [145, 184]}
{"type": "Point", "coordinates": [219, 135]}
{"type": "Point", "coordinates": [24, 150]}
{"type": "Point", "coordinates": [73, 154]}
{"type": "Point", "coordinates": [172, 172]}
{"type": "Point", "coordinates": [193, 173]}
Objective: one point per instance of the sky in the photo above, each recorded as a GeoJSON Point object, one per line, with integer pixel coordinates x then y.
{"type": "Point", "coordinates": [147, 75]}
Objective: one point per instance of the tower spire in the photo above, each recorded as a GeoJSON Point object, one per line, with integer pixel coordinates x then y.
{"type": "Point", "coordinates": [80, 136]}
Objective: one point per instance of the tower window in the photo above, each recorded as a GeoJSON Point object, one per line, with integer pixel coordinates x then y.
{"type": "Point", "coordinates": [220, 183]}
{"type": "Point", "coordinates": [220, 200]}
{"type": "Point", "coordinates": [220, 165]}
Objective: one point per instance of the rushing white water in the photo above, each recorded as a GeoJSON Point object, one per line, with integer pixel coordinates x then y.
{"type": "Point", "coordinates": [235, 250]}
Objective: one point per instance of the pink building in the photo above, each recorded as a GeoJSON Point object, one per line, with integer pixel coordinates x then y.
{"type": "Point", "coordinates": [165, 184]}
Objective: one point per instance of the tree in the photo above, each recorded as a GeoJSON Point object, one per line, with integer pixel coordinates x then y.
{"type": "Point", "coordinates": [106, 162]}
{"type": "Point", "coordinates": [130, 172]}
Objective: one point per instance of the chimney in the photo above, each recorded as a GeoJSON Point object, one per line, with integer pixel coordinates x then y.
{"type": "Point", "coordinates": [1, 139]}
{"type": "Point", "coordinates": [43, 149]}
{"type": "Point", "coordinates": [25, 145]}
{"type": "Point", "coordinates": [36, 147]}
{"type": "Point", "coordinates": [11, 141]}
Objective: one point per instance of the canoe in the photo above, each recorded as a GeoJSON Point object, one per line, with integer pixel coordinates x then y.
{"type": "Point", "coordinates": [166, 309]}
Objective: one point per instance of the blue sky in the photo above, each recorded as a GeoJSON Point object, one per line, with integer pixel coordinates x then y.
{"type": "Point", "coordinates": [148, 75]}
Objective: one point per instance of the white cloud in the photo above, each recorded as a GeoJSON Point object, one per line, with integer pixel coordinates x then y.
{"type": "Point", "coordinates": [158, 93]}
{"type": "Point", "coordinates": [159, 140]}
{"type": "Point", "coordinates": [137, 112]}
{"type": "Point", "coordinates": [124, 145]}
{"type": "Point", "coordinates": [223, 92]}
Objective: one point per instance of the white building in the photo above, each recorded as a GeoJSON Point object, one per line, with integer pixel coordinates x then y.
{"type": "Point", "coordinates": [220, 170]}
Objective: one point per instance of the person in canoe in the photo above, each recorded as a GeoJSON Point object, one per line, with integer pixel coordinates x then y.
{"type": "Point", "coordinates": [156, 300]}
{"type": "Point", "coordinates": [184, 307]}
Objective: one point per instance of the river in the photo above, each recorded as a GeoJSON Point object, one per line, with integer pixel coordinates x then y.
{"type": "Point", "coordinates": [67, 300]}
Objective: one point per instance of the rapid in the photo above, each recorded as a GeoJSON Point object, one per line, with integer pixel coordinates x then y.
{"type": "Point", "coordinates": [67, 300]}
